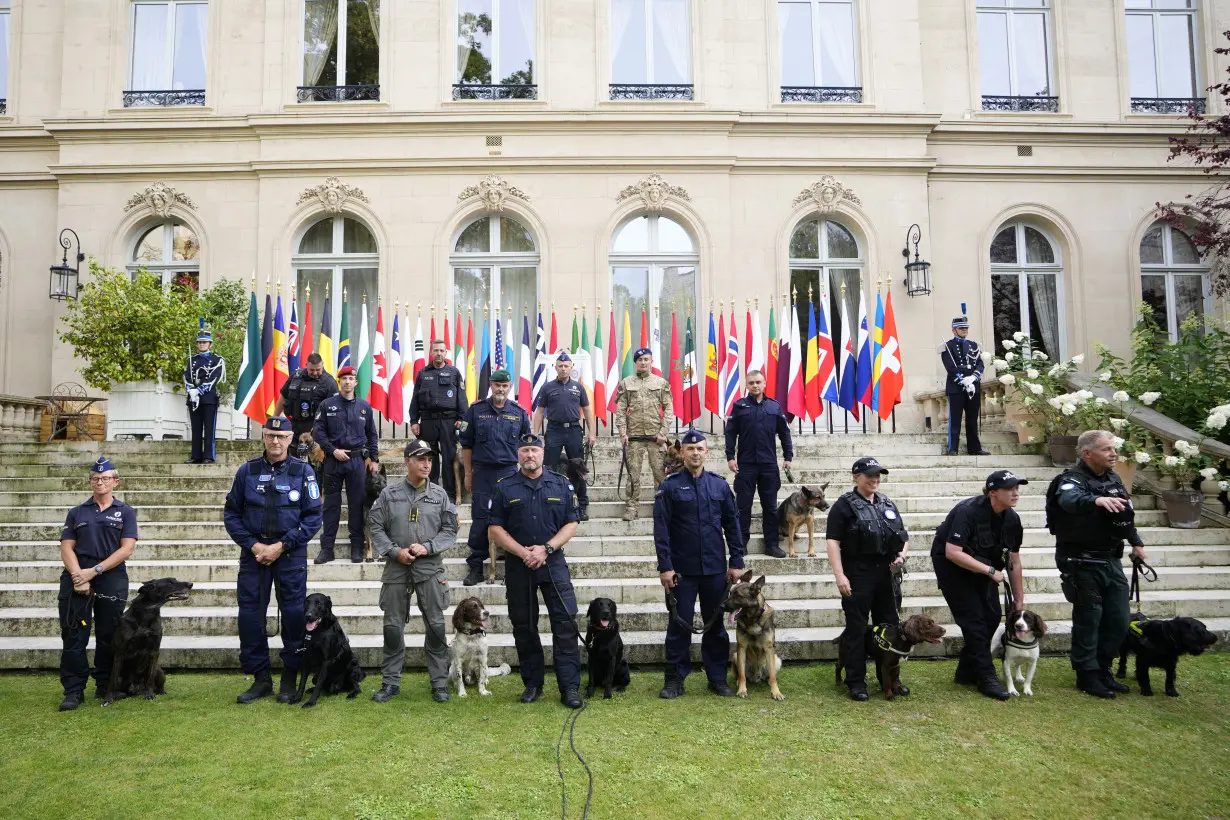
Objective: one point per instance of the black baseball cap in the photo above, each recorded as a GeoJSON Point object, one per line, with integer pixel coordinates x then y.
{"type": "Point", "coordinates": [1004, 480]}
{"type": "Point", "coordinates": [867, 465]}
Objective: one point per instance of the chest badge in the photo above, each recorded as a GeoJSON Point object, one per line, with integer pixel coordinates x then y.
{"type": "Point", "coordinates": [293, 495]}
{"type": "Point", "coordinates": [450, 394]}
{"type": "Point", "coordinates": [890, 514]}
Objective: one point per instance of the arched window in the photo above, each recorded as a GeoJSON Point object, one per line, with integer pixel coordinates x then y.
{"type": "Point", "coordinates": [337, 258]}
{"type": "Point", "coordinates": [1025, 284]}
{"type": "Point", "coordinates": [171, 251]}
{"type": "Point", "coordinates": [1173, 278]}
{"type": "Point", "coordinates": [824, 256]}
{"type": "Point", "coordinates": [653, 264]}
{"type": "Point", "coordinates": [495, 266]}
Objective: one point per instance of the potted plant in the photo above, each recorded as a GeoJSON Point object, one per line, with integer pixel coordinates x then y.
{"type": "Point", "coordinates": [1133, 444]}
{"type": "Point", "coordinates": [1188, 467]}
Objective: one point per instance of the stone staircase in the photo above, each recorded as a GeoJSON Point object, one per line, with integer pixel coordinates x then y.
{"type": "Point", "coordinates": [180, 514]}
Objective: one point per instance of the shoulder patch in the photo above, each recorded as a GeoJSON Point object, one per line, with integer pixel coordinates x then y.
{"type": "Point", "coordinates": [1066, 485]}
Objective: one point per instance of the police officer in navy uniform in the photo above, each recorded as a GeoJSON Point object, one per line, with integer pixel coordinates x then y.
{"type": "Point", "coordinates": [272, 511]}
{"type": "Point", "coordinates": [99, 536]}
{"type": "Point", "coordinates": [755, 423]}
{"type": "Point", "coordinates": [1090, 513]}
{"type": "Point", "coordinates": [563, 400]}
{"type": "Point", "coordinates": [346, 432]}
{"type": "Point", "coordinates": [692, 510]}
{"type": "Point", "coordinates": [302, 394]}
{"type": "Point", "coordinates": [202, 378]}
{"type": "Point", "coordinates": [436, 408]}
{"type": "Point", "coordinates": [976, 546]}
{"type": "Point", "coordinates": [490, 433]}
{"type": "Point", "coordinates": [963, 362]}
{"type": "Point", "coordinates": [865, 539]}
{"type": "Point", "coordinates": [533, 515]}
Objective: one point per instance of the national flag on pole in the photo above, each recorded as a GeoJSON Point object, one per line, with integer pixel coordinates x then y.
{"type": "Point", "coordinates": [484, 363]}
{"type": "Point", "coordinates": [432, 329]}
{"type": "Point", "coordinates": [691, 392]}
{"type": "Point", "coordinates": [540, 360]}
{"type": "Point", "coordinates": [827, 357]}
{"type": "Point", "coordinates": [379, 397]}
{"type": "Point", "coordinates": [655, 344]}
{"type": "Point", "coordinates": [280, 364]}
{"type": "Point", "coordinates": [770, 364]}
{"type": "Point", "coordinates": [420, 354]}
{"type": "Point", "coordinates": [644, 341]}
{"type": "Point", "coordinates": [343, 340]}
{"type": "Point", "coordinates": [785, 360]}
{"type": "Point", "coordinates": [268, 397]}
{"type": "Point", "coordinates": [510, 359]}
{"type": "Point", "coordinates": [712, 402]}
{"type": "Point", "coordinates": [848, 399]}
{"type": "Point", "coordinates": [721, 354]}
{"type": "Point", "coordinates": [249, 397]}
{"type": "Point", "coordinates": [584, 357]}
{"type": "Point", "coordinates": [448, 342]}
{"type": "Point", "coordinates": [499, 363]}
{"type": "Point", "coordinates": [306, 347]}
{"type": "Point", "coordinates": [877, 344]}
{"type": "Point", "coordinates": [395, 410]}
{"type": "Point", "coordinates": [407, 369]}
{"type": "Point", "coordinates": [459, 346]}
{"type": "Point", "coordinates": [364, 367]}
{"type": "Point", "coordinates": [674, 370]}
{"type": "Point", "coordinates": [612, 368]}
{"type": "Point", "coordinates": [862, 388]}
{"type": "Point", "coordinates": [796, 399]}
{"type": "Point", "coordinates": [732, 391]}
{"type": "Point", "coordinates": [892, 374]}
{"type": "Point", "coordinates": [292, 340]}
{"type": "Point", "coordinates": [600, 370]}
{"type": "Point", "coordinates": [627, 367]}
{"type": "Point", "coordinates": [525, 386]}
{"type": "Point", "coordinates": [811, 385]}
{"type": "Point", "coordinates": [471, 364]}
{"type": "Point", "coordinates": [755, 353]}
{"type": "Point", "coordinates": [552, 344]}
{"type": "Point", "coordinates": [325, 348]}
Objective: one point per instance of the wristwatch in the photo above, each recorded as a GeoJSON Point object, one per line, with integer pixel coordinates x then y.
{"type": "Point", "coordinates": [990, 571]}
{"type": "Point", "coordinates": [98, 569]}
{"type": "Point", "coordinates": [550, 549]}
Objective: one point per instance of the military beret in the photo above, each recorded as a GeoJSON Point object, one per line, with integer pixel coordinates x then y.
{"type": "Point", "coordinates": [692, 436]}
{"type": "Point", "coordinates": [563, 356]}
{"type": "Point", "coordinates": [530, 440]}
{"type": "Point", "coordinates": [960, 321]}
{"type": "Point", "coordinates": [278, 424]}
{"type": "Point", "coordinates": [417, 447]}
{"type": "Point", "coordinates": [868, 466]}
{"type": "Point", "coordinates": [501, 376]}
{"type": "Point", "coordinates": [102, 465]}
{"type": "Point", "coordinates": [644, 351]}
{"type": "Point", "coordinates": [347, 371]}
{"type": "Point", "coordinates": [204, 336]}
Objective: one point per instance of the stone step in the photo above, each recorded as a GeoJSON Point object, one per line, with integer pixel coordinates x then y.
{"type": "Point", "coordinates": [793, 644]}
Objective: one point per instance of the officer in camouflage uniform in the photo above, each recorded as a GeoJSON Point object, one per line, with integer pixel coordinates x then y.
{"type": "Point", "coordinates": [642, 410]}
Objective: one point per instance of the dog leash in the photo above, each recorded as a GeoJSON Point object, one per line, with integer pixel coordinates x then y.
{"type": "Point", "coordinates": [570, 726]}
{"type": "Point", "coordinates": [898, 575]}
{"type": "Point", "coordinates": [591, 461]}
{"type": "Point", "coordinates": [672, 606]}
{"type": "Point", "coordinates": [623, 468]}
{"type": "Point", "coordinates": [1140, 568]}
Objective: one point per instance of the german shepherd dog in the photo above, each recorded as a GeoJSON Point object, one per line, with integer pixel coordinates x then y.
{"type": "Point", "coordinates": [755, 652]}
{"type": "Point", "coordinates": [672, 459]}
{"type": "Point", "coordinates": [887, 644]}
{"type": "Point", "coordinates": [310, 452]}
{"type": "Point", "coordinates": [375, 486]}
{"type": "Point", "coordinates": [138, 640]}
{"type": "Point", "coordinates": [796, 512]}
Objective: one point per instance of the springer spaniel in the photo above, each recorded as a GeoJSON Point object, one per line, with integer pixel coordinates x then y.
{"type": "Point", "coordinates": [1020, 648]}
{"type": "Point", "coordinates": [469, 650]}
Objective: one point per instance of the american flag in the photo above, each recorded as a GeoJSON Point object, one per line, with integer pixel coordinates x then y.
{"type": "Point", "coordinates": [499, 345]}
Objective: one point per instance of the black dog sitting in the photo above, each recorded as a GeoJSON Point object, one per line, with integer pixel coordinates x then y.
{"type": "Point", "coordinates": [327, 654]}
{"type": "Point", "coordinates": [607, 664]}
{"type": "Point", "coordinates": [138, 640]}
{"type": "Point", "coordinates": [1160, 643]}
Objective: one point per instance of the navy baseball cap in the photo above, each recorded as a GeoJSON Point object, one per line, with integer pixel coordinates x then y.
{"type": "Point", "coordinates": [692, 436]}
{"type": "Point", "coordinates": [278, 424]}
{"type": "Point", "coordinates": [417, 447]}
{"type": "Point", "coordinates": [644, 351]}
{"type": "Point", "coordinates": [530, 440]}
{"type": "Point", "coordinates": [867, 465]}
{"type": "Point", "coordinates": [102, 465]}
{"type": "Point", "coordinates": [1004, 480]}
{"type": "Point", "coordinates": [563, 356]}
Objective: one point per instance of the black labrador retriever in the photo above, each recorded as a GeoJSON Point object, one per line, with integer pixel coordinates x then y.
{"type": "Point", "coordinates": [327, 654]}
{"type": "Point", "coordinates": [607, 664]}
{"type": "Point", "coordinates": [1160, 643]}
{"type": "Point", "coordinates": [138, 641]}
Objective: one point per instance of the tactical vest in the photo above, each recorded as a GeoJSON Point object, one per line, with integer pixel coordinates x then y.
{"type": "Point", "coordinates": [984, 545]}
{"type": "Point", "coordinates": [1096, 531]}
{"type": "Point", "coordinates": [439, 394]}
{"type": "Point", "coordinates": [271, 527]}
{"type": "Point", "coordinates": [303, 397]}
{"type": "Point", "coordinates": [876, 531]}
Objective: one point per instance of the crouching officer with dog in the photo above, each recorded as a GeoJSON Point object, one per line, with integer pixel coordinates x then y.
{"type": "Point", "coordinates": [980, 541]}
{"type": "Point", "coordinates": [412, 524]}
{"type": "Point", "coordinates": [643, 411]}
{"type": "Point", "coordinates": [1090, 513]}
{"type": "Point", "coordinates": [692, 510]}
{"type": "Point", "coordinates": [865, 539]}
{"type": "Point", "coordinates": [99, 535]}
{"type": "Point", "coordinates": [346, 432]}
{"type": "Point", "coordinates": [272, 511]}
{"type": "Point", "coordinates": [533, 515]}
{"type": "Point", "coordinates": [565, 404]}
{"type": "Point", "coordinates": [301, 396]}
{"type": "Point", "coordinates": [490, 432]}
{"type": "Point", "coordinates": [436, 407]}
{"type": "Point", "coordinates": [755, 423]}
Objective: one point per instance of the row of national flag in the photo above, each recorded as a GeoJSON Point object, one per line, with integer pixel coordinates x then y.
{"type": "Point", "coordinates": [802, 372]}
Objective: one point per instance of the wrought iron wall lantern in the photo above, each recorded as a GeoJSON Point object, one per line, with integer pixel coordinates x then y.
{"type": "Point", "coordinates": [64, 284]}
{"type": "Point", "coordinates": [918, 272]}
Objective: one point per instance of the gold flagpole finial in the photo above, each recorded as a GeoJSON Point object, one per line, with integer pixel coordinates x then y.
{"type": "Point", "coordinates": [380, 300]}
{"type": "Point", "coordinates": [420, 307]}
{"type": "Point", "coordinates": [525, 307]}
{"type": "Point", "coordinates": [749, 305]}
{"type": "Point", "coordinates": [307, 292]}
{"type": "Point", "coordinates": [327, 289]}
{"type": "Point", "coordinates": [553, 308]}
{"type": "Point", "coordinates": [268, 278]}
{"type": "Point", "coordinates": [486, 313]}
{"type": "Point", "coordinates": [574, 310]}
{"type": "Point", "coordinates": [655, 311]}
{"type": "Point", "coordinates": [843, 290]}
{"type": "Point", "coordinates": [757, 300]}
{"type": "Point", "coordinates": [433, 310]}
{"type": "Point", "coordinates": [254, 280]}
{"type": "Point", "coordinates": [540, 306]}
{"type": "Point", "coordinates": [396, 306]}
{"type": "Point", "coordinates": [809, 291]}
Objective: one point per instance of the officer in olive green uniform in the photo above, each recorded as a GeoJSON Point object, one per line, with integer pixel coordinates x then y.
{"type": "Point", "coordinates": [1090, 513]}
{"type": "Point", "coordinates": [642, 410]}
{"type": "Point", "coordinates": [412, 524]}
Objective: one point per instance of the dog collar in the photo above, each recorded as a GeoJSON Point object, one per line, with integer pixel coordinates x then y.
{"type": "Point", "coordinates": [479, 631]}
{"type": "Point", "coordinates": [884, 643]}
{"type": "Point", "coordinates": [1017, 644]}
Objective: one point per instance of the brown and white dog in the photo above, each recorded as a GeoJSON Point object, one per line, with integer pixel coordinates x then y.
{"type": "Point", "coordinates": [796, 512]}
{"type": "Point", "coordinates": [1019, 642]}
{"type": "Point", "coordinates": [755, 637]}
{"type": "Point", "coordinates": [469, 650]}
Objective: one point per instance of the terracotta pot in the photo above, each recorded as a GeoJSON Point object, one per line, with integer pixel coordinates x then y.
{"type": "Point", "coordinates": [1126, 470]}
{"type": "Point", "coordinates": [1063, 450]}
{"type": "Point", "coordinates": [1028, 425]}
{"type": "Point", "coordinates": [1183, 508]}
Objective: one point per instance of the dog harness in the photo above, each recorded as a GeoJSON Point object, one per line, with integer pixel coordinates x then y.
{"type": "Point", "coordinates": [1007, 640]}
{"type": "Point", "coordinates": [884, 643]}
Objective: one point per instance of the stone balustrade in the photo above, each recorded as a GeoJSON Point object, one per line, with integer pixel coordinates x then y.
{"type": "Point", "coordinates": [20, 417]}
{"type": "Point", "coordinates": [935, 408]}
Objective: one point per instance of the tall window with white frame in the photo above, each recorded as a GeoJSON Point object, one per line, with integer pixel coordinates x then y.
{"type": "Point", "coordinates": [818, 40]}
{"type": "Point", "coordinates": [1174, 280]}
{"type": "Point", "coordinates": [495, 274]}
{"type": "Point", "coordinates": [1026, 271]}
{"type": "Point", "coordinates": [1162, 61]}
{"type": "Point", "coordinates": [338, 259]}
{"type": "Point", "coordinates": [495, 50]}
{"type": "Point", "coordinates": [341, 51]}
{"type": "Point", "coordinates": [651, 50]}
{"type": "Point", "coordinates": [167, 56]}
{"type": "Point", "coordinates": [1015, 54]}
{"type": "Point", "coordinates": [171, 251]}
{"type": "Point", "coordinates": [5, 8]}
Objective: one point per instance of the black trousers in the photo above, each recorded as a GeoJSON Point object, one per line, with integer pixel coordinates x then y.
{"type": "Point", "coordinates": [962, 403]}
{"type": "Point", "coordinates": [77, 614]}
{"type": "Point", "coordinates": [871, 593]}
{"type": "Point", "coordinates": [521, 588]}
{"type": "Point", "coordinates": [571, 441]}
{"type": "Point", "coordinates": [352, 474]}
{"type": "Point", "coordinates": [441, 434]}
{"type": "Point", "coordinates": [765, 480]}
{"type": "Point", "coordinates": [204, 423]}
{"type": "Point", "coordinates": [973, 599]}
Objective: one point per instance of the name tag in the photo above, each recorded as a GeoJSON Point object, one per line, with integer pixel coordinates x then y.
{"type": "Point", "coordinates": [266, 477]}
{"type": "Point", "coordinates": [556, 500]}
{"type": "Point", "coordinates": [514, 501]}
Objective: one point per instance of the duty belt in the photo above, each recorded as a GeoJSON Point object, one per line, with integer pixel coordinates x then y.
{"type": "Point", "coordinates": [553, 423]}
{"type": "Point", "coordinates": [356, 452]}
{"type": "Point", "coordinates": [440, 414]}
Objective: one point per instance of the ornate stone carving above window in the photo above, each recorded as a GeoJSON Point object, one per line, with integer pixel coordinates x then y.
{"type": "Point", "coordinates": [159, 199]}
{"type": "Point", "coordinates": [654, 192]}
{"type": "Point", "coordinates": [493, 191]}
{"type": "Point", "coordinates": [826, 195]}
{"type": "Point", "coordinates": [333, 194]}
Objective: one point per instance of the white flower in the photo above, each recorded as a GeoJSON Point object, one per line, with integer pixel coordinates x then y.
{"type": "Point", "coordinates": [1117, 424]}
{"type": "Point", "coordinates": [1009, 356]}
{"type": "Point", "coordinates": [1069, 409]}
{"type": "Point", "coordinates": [1216, 421]}
{"type": "Point", "coordinates": [1084, 395]}
{"type": "Point", "coordinates": [1000, 364]}
{"type": "Point", "coordinates": [1121, 396]}
{"type": "Point", "coordinates": [1100, 400]}
{"type": "Point", "coordinates": [1105, 377]}
{"type": "Point", "coordinates": [1039, 355]}
{"type": "Point", "coordinates": [1223, 485]}
{"type": "Point", "coordinates": [1142, 457]}
{"type": "Point", "coordinates": [1019, 336]}
{"type": "Point", "coordinates": [1031, 439]}
{"type": "Point", "coordinates": [1118, 442]}
{"type": "Point", "coordinates": [1056, 370]}
{"type": "Point", "coordinates": [986, 357]}
{"type": "Point", "coordinates": [1209, 473]}
{"type": "Point", "coordinates": [1078, 358]}
{"type": "Point", "coordinates": [1036, 389]}
{"type": "Point", "coordinates": [1032, 373]}
{"type": "Point", "coordinates": [1009, 344]}
{"type": "Point", "coordinates": [1149, 398]}
{"type": "Point", "coordinates": [1185, 449]}
{"type": "Point", "coordinates": [1007, 378]}
{"type": "Point", "coordinates": [1055, 402]}
{"type": "Point", "coordinates": [1172, 461]}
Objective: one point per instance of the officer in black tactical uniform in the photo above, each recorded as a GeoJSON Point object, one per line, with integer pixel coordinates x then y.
{"type": "Point", "coordinates": [963, 361]}
{"type": "Point", "coordinates": [436, 408]}
{"type": "Point", "coordinates": [346, 430]}
{"type": "Point", "coordinates": [302, 394]}
{"type": "Point", "coordinates": [972, 550]}
{"type": "Point", "coordinates": [202, 378]}
{"type": "Point", "coordinates": [1090, 513]}
{"type": "Point", "coordinates": [865, 538]}
{"type": "Point", "coordinates": [755, 425]}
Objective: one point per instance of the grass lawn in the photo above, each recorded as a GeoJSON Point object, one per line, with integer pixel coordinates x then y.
{"type": "Point", "coordinates": [945, 751]}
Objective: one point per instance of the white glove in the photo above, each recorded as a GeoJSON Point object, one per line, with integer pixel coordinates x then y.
{"type": "Point", "coordinates": [968, 382]}
{"type": "Point", "coordinates": [194, 397]}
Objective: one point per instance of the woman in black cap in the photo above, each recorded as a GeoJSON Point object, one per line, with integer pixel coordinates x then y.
{"type": "Point", "coordinates": [971, 552]}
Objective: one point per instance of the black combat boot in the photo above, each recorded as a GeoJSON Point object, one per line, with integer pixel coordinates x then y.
{"type": "Point", "coordinates": [858, 691]}
{"type": "Point", "coordinates": [1091, 684]}
{"type": "Point", "coordinates": [775, 551]}
{"type": "Point", "coordinates": [262, 687]}
{"type": "Point", "coordinates": [324, 556]}
{"type": "Point", "coordinates": [356, 555]}
{"type": "Point", "coordinates": [1108, 680]}
{"type": "Point", "coordinates": [673, 687]}
{"type": "Point", "coordinates": [288, 690]}
{"type": "Point", "coordinates": [721, 688]}
{"type": "Point", "coordinates": [71, 701]}
{"type": "Point", "coordinates": [474, 576]}
{"type": "Point", "coordinates": [571, 698]}
{"type": "Point", "coordinates": [992, 688]}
